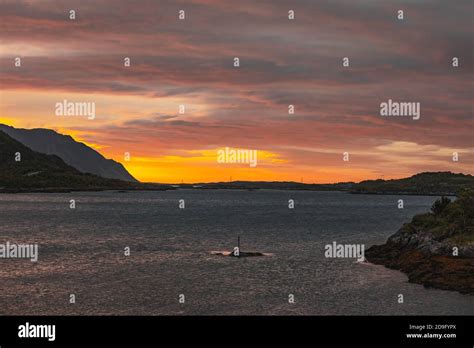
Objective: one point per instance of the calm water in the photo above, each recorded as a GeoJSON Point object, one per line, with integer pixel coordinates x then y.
{"type": "Point", "coordinates": [81, 252]}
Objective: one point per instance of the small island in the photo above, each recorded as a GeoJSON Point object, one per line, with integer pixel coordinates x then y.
{"type": "Point", "coordinates": [435, 249]}
{"type": "Point", "coordinates": [237, 252]}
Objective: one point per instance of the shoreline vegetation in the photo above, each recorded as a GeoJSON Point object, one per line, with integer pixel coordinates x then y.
{"type": "Point", "coordinates": [435, 249]}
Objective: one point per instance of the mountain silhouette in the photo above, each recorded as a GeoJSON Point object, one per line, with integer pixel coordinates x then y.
{"type": "Point", "coordinates": [76, 154]}
{"type": "Point", "coordinates": [22, 169]}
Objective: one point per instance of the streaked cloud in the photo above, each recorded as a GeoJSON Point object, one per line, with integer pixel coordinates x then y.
{"type": "Point", "coordinates": [283, 62]}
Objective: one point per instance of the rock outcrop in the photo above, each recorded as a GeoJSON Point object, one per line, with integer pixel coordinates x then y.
{"type": "Point", "coordinates": [435, 249]}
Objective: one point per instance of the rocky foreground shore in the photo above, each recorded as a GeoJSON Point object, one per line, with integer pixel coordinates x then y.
{"type": "Point", "coordinates": [435, 249]}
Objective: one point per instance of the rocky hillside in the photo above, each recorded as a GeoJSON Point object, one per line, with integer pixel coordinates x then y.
{"type": "Point", "coordinates": [435, 249]}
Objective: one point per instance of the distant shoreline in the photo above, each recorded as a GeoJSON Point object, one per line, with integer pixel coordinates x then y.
{"type": "Point", "coordinates": [422, 184]}
{"type": "Point", "coordinates": [69, 190]}
{"type": "Point", "coordinates": [159, 189]}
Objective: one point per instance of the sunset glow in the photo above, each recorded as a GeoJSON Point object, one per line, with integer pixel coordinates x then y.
{"type": "Point", "coordinates": [282, 63]}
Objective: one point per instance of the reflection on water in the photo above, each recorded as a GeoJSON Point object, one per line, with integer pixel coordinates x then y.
{"type": "Point", "coordinates": [81, 252]}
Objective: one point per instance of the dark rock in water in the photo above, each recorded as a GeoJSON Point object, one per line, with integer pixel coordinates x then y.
{"type": "Point", "coordinates": [442, 272]}
{"type": "Point", "coordinates": [238, 253]}
{"type": "Point", "coordinates": [247, 254]}
{"type": "Point", "coordinates": [241, 254]}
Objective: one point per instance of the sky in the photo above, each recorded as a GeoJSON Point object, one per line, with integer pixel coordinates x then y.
{"type": "Point", "coordinates": [283, 62]}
